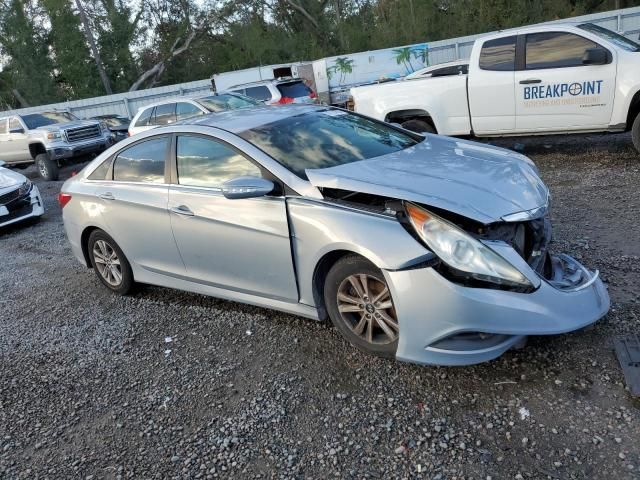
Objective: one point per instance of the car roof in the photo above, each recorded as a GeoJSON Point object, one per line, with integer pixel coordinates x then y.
{"type": "Point", "coordinates": [243, 119]}
{"type": "Point", "coordinates": [182, 99]}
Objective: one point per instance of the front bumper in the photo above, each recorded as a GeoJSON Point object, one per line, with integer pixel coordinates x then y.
{"type": "Point", "coordinates": [63, 150]}
{"type": "Point", "coordinates": [442, 323]}
{"type": "Point", "coordinates": [22, 209]}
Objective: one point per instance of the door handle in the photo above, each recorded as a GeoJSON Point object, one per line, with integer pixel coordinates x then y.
{"type": "Point", "coordinates": [183, 210]}
{"type": "Point", "coordinates": [107, 196]}
{"type": "Point", "coordinates": [530, 80]}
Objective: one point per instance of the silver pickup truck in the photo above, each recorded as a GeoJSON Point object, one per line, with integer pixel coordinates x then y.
{"type": "Point", "coordinates": [49, 138]}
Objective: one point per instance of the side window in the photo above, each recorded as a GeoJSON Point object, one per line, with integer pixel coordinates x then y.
{"type": "Point", "coordinates": [100, 173]}
{"type": "Point", "coordinates": [203, 162]}
{"type": "Point", "coordinates": [143, 119]}
{"type": "Point", "coordinates": [186, 110]}
{"type": "Point", "coordinates": [14, 124]}
{"type": "Point", "coordinates": [165, 114]}
{"type": "Point", "coordinates": [3, 125]}
{"type": "Point", "coordinates": [259, 93]}
{"type": "Point", "coordinates": [555, 50]}
{"type": "Point", "coordinates": [498, 54]}
{"type": "Point", "coordinates": [143, 162]}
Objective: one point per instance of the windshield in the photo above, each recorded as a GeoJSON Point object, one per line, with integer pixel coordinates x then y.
{"type": "Point", "coordinates": [326, 138]}
{"type": "Point", "coordinates": [613, 37]}
{"type": "Point", "coordinates": [226, 101]}
{"type": "Point", "coordinates": [35, 120]}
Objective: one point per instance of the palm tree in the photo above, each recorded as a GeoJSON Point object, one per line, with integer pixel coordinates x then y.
{"type": "Point", "coordinates": [403, 56]}
{"type": "Point", "coordinates": [344, 65]}
{"type": "Point", "coordinates": [421, 53]}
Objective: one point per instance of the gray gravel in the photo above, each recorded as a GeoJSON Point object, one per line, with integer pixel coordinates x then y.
{"type": "Point", "coordinates": [167, 384]}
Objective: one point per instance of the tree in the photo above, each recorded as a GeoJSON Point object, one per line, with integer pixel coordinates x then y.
{"type": "Point", "coordinates": [27, 68]}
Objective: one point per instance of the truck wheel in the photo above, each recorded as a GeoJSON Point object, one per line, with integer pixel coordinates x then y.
{"type": "Point", "coordinates": [419, 126]}
{"type": "Point", "coordinates": [635, 132]}
{"type": "Point", "coordinates": [48, 168]}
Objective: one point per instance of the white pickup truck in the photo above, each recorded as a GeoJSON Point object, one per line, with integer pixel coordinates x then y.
{"type": "Point", "coordinates": [559, 78]}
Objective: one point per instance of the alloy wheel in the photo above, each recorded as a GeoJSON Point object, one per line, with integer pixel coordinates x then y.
{"type": "Point", "coordinates": [107, 263]}
{"type": "Point", "coordinates": [43, 169]}
{"type": "Point", "coordinates": [365, 305]}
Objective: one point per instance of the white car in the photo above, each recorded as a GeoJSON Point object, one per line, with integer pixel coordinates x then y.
{"type": "Point", "coordinates": [19, 198]}
{"type": "Point", "coordinates": [173, 110]}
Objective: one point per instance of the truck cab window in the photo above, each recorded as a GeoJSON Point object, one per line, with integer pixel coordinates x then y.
{"type": "Point", "coordinates": [499, 54]}
{"type": "Point", "coordinates": [555, 50]}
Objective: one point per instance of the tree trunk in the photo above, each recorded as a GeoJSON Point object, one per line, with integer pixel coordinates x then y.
{"type": "Point", "coordinates": [23, 103]}
{"type": "Point", "coordinates": [157, 70]}
{"type": "Point", "coordinates": [88, 33]}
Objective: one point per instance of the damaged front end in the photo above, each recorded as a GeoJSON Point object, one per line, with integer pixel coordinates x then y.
{"type": "Point", "coordinates": [453, 315]}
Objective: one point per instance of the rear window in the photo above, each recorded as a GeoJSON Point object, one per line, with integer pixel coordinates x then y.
{"type": "Point", "coordinates": [143, 119]}
{"type": "Point", "coordinates": [259, 93]}
{"type": "Point", "coordinates": [165, 114]}
{"type": "Point", "coordinates": [142, 162]}
{"type": "Point", "coordinates": [326, 138]}
{"type": "Point", "coordinates": [498, 54]}
{"type": "Point", "coordinates": [294, 89]}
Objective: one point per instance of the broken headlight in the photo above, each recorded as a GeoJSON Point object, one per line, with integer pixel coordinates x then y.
{"type": "Point", "coordinates": [461, 252]}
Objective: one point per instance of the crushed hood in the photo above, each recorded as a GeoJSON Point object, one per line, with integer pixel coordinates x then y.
{"type": "Point", "coordinates": [9, 178]}
{"type": "Point", "coordinates": [474, 180]}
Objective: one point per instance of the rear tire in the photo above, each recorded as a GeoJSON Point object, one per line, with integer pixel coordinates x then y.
{"type": "Point", "coordinates": [635, 132]}
{"type": "Point", "coordinates": [109, 263]}
{"type": "Point", "coordinates": [47, 167]}
{"type": "Point", "coordinates": [419, 126]}
{"type": "Point", "coordinates": [359, 304]}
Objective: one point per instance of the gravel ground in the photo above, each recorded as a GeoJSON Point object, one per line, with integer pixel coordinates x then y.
{"type": "Point", "coordinates": [91, 385]}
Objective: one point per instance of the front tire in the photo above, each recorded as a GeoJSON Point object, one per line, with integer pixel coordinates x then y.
{"type": "Point", "coordinates": [109, 263]}
{"type": "Point", "coordinates": [360, 306]}
{"type": "Point", "coordinates": [635, 132]}
{"type": "Point", "coordinates": [418, 126]}
{"type": "Point", "coordinates": [47, 167]}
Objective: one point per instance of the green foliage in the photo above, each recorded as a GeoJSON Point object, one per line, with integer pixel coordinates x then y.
{"type": "Point", "coordinates": [44, 52]}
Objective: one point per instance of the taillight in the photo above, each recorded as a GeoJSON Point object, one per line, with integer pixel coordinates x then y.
{"type": "Point", "coordinates": [285, 100]}
{"type": "Point", "coordinates": [312, 94]}
{"type": "Point", "coordinates": [63, 199]}
{"type": "Point", "coordinates": [351, 104]}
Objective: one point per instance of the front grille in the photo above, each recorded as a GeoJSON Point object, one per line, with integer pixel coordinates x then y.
{"type": "Point", "coordinates": [82, 133]}
{"type": "Point", "coordinates": [21, 211]}
{"type": "Point", "coordinates": [10, 197]}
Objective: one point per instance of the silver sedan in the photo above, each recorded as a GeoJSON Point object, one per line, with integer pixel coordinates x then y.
{"type": "Point", "coordinates": [428, 249]}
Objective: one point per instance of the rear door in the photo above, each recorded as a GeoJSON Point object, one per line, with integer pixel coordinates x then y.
{"type": "Point", "coordinates": [134, 200]}
{"type": "Point", "coordinates": [5, 147]}
{"type": "Point", "coordinates": [556, 91]}
{"type": "Point", "coordinates": [491, 87]}
{"type": "Point", "coordinates": [241, 245]}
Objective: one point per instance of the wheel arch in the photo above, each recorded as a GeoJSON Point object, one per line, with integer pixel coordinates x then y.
{"type": "Point", "coordinates": [324, 264]}
{"type": "Point", "coordinates": [399, 116]}
{"type": "Point", "coordinates": [634, 109]}
{"type": "Point", "coordinates": [84, 242]}
{"type": "Point", "coordinates": [36, 148]}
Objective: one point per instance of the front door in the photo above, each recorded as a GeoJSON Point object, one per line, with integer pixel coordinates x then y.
{"type": "Point", "coordinates": [490, 88]}
{"type": "Point", "coordinates": [18, 141]}
{"type": "Point", "coordinates": [556, 91]}
{"type": "Point", "coordinates": [241, 245]}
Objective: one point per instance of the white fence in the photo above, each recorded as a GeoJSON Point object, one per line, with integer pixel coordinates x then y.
{"type": "Point", "coordinates": [625, 21]}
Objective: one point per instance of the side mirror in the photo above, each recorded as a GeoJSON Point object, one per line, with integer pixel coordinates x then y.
{"type": "Point", "coordinates": [247, 187]}
{"type": "Point", "coordinates": [2, 163]}
{"type": "Point", "coordinates": [595, 56]}
{"type": "Point", "coordinates": [17, 130]}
